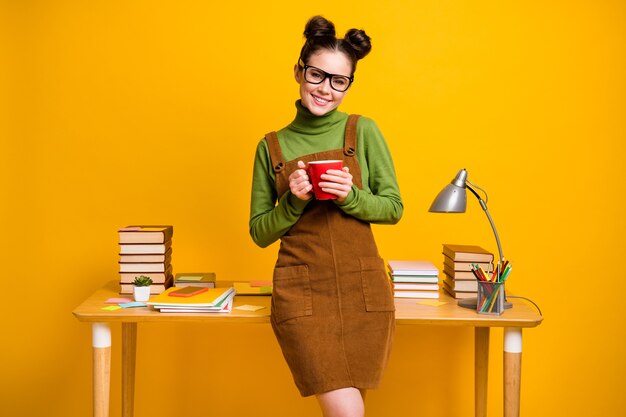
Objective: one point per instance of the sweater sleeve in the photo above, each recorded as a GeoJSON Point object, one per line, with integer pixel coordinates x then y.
{"type": "Point", "coordinates": [270, 219]}
{"type": "Point", "coordinates": [379, 201]}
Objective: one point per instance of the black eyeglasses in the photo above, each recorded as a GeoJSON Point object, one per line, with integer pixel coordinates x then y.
{"type": "Point", "coordinates": [314, 75]}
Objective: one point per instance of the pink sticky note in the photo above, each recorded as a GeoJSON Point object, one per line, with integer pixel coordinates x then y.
{"type": "Point", "coordinates": [118, 300]}
{"type": "Point", "coordinates": [261, 283]}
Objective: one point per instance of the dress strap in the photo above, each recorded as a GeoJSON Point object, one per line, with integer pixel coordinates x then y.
{"type": "Point", "coordinates": [349, 143]}
{"type": "Point", "coordinates": [276, 154]}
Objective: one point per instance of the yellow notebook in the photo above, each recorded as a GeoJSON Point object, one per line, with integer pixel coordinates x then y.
{"type": "Point", "coordinates": [211, 297]}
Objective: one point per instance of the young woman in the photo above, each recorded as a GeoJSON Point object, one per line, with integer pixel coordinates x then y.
{"type": "Point", "coordinates": [332, 305]}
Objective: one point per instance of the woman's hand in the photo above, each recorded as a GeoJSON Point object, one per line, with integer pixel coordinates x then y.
{"type": "Point", "coordinates": [299, 183]}
{"type": "Point", "coordinates": [337, 182]}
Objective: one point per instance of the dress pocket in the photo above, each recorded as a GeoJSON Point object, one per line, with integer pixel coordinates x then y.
{"type": "Point", "coordinates": [291, 296]}
{"type": "Point", "coordinates": [376, 286]}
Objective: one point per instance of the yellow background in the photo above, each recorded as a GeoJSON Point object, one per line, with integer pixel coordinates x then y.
{"type": "Point", "coordinates": [122, 112]}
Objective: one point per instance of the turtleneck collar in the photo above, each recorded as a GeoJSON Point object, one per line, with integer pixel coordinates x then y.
{"type": "Point", "coordinates": [307, 122]}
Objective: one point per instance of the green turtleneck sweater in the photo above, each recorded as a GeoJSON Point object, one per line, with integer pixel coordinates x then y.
{"type": "Point", "coordinates": [378, 202]}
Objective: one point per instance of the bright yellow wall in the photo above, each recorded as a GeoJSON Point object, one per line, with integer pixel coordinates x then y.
{"type": "Point", "coordinates": [113, 113]}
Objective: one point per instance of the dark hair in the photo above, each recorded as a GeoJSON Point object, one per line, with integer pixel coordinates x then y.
{"type": "Point", "coordinates": [320, 34]}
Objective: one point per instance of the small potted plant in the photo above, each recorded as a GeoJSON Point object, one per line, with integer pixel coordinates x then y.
{"type": "Point", "coordinates": [141, 288]}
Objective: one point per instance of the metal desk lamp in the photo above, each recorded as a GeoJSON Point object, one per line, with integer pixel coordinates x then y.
{"type": "Point", "coordinates": [453, 199]}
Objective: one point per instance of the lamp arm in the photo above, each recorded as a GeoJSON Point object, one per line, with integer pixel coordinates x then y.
{"type": "Point", "coordinates": [493, 226]}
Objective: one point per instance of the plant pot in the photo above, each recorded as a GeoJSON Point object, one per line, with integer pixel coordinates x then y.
{"type": "Point", "coordinates": [141, 293]}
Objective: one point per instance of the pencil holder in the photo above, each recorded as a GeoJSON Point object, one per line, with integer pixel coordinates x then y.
{"type": "Point", "coordinates": [490, 298]}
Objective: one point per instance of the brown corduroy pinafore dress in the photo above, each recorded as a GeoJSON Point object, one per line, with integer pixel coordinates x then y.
{"type": "Point", "coordinates": [332, 303]}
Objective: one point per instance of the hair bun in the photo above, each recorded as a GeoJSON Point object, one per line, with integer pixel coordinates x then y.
{"type": "Point", "coordinates": [320, 36]}
{"type": "Point", "coordinates": [318, 27]}
{"type": "Point", "coordinates": [359, 41]}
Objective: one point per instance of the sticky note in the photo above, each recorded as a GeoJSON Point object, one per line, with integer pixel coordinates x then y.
{"type": "Point", "coordinates": [132, 304]}
{"type": "Point", "coordinates": [261, 283]}
{"type": "Point", "coordinates": [118, 300]}
{"type": "Point", "coordinates": [432, 303]}
{"type": "Point", "coordinates": [111, 308]}
{"type": "Point", "coordinates": [247, 307]}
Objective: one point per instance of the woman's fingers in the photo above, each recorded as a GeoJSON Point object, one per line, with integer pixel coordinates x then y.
{"type": "Point", "coordinates": [335, 176]}
{"type": "Point", "coordinates": [337, 182]}
{"type": "Point", "coordinates": [299, 183]}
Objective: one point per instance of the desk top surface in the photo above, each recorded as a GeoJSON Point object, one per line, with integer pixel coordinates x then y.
{"type": "Point", "coordinates": [408, 311]}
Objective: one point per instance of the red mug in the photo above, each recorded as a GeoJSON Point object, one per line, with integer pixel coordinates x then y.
{"type": "Point", "coordinates": [315, 170]}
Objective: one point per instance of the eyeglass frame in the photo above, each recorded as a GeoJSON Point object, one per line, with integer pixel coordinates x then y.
{"type": "Point", "coordinates": [328, 75]}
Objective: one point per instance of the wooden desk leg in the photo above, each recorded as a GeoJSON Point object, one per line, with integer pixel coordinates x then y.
{"type": "Point", "coordinates": [101, 343]}
{"type": "Point", "coordinates": [512, 370]}
{"type": "Point", "coordinates": [481, 367]}
{"type": "Point", "coordinates": [129, 350]}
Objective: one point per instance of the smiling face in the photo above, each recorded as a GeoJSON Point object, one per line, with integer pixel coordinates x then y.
{"type": "Point", "coordinates": [321, 98]}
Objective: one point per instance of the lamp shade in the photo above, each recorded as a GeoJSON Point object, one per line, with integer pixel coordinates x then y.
{"type": "Point", "coordinates": [453, 198]}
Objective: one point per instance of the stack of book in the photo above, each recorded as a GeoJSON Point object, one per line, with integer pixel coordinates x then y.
{"type": "Point", "coordinates": [414, 279]}
{"type": "Point", "coordinates": [145, 250]}
{"type": "Point", "coordinates": [209, 300]}
{"type": "Point", "coordinates": [458, 278]}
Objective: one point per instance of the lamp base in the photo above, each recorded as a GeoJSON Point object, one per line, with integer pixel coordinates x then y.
{"type": "Point", "coordinates": [472, 302]}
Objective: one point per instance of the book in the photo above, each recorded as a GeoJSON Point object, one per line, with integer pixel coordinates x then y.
{"type": "Point", "coordinates": [145, 234]}
{"type": "Point", "coordinates": [415, 287]}
{"type": "Point", "coordinates": [147, 258]}
{"type": "Point", "coordinates": [458, 294]}
{"type": "Point", "coordinates": [465, 266]}
{"type": "Point", "coordinates": [188, 291]}
{"type": "Point", "coordinates": [195, 279]}
{"type": "Point", "coordinates": [144, 249]}
{"type": "Point", "coordinates": [458, 275]}
{"type": "Point", "coordinates": [156, 277]}
{"type": "Point", "coordinates": [225, 306]}
{"type": "Point", "coordinates": [469, 253]}
{"type": "Point", "coordinates": [413, 267]}
{"type": "Point", "coordinates": [416, 294]}
{"type": "Point", "coordinates": [144, 267]}
{"type": "Point", "coordinates": [423, 279]}
{"type": "Point", "coordinates": [461, 285]}
{"type": "Point", "coordinates": [210, 298]}
{"type": "Point", "coordinates": [154, 288]}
